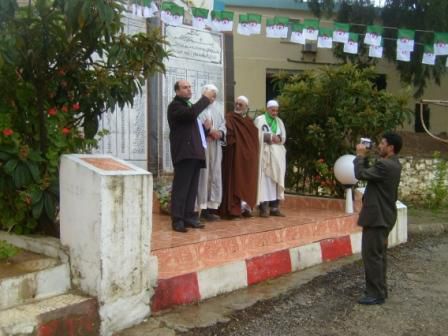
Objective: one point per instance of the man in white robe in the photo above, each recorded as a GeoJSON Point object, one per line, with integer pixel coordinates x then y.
{"type": "Point", "coordinates": [271, 185]}
{"type": "Point", "coordinates": [210, 180]}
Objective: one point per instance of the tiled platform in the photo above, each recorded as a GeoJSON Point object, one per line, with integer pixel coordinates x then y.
{"type": "Point", "coordinates": [307, 220]}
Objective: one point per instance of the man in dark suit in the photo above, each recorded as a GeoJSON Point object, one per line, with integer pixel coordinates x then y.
{"type": "Point", "coordinates": [187, 143]}
{"type": "Point", "coordinates": [378, 213]}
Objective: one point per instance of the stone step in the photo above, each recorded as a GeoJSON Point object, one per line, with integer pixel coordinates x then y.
{"type": "Point", "coordinates": [30, 276]}
{"type": "Point", "coordinates": [67, 314]}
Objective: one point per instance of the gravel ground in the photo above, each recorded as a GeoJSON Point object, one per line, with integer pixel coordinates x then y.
{"type": "Point", "coordinates": [417, 304]}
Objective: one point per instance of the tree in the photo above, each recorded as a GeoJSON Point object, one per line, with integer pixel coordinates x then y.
{"type": "Point", "coordinates": [62, 64]}
{"type": "Point", "coordinates": [326, 112]}
{"type": "Point", "coordinates": [424, 16]}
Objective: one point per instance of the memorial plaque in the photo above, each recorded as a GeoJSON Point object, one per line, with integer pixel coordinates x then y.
{"type": "Point", "coordinates": [197, 56]}
{"type": "Point", "coordinates": [128, 130]}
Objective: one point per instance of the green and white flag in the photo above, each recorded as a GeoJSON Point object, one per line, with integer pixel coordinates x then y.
{"type": "Point", "coordinates": [200, 17]}
{"type": "Point", "coordinates": [351, 47]}
{"type": "Point", "coordinates": [441, 44]}
{"type": "Point", "coordinates": [325, 38]}
{"type": "Point", "coordinates": [149, 8]}
{"type": "Point", "coordinates": [373, 35]}
{"type": "Point", "coordinates": [249, 24]}
{"type": "Point", "coordinates": [311, 29]}
{"type": "Point", "coordinates": [277, 27]}
{"type": "Point", "coordinates": [243, 27]}
{"type": "Point", "coordinates": [376, 51]}
{"type": "Point", "coordinates": [255, 23]}
{"type": "Point", "coordinates": [171, 13]}
{"type": "Point", "coordinates": [297, 33]}
{"type": "Point", "coordinates": [403, 55]}
{"type": "Point", "coordinates": [405, 40]}
{"type": "Point", "coordinates": [446, 63]}
{"type": "Point", "coordinates": [341, 32]}
{"type": "Point", "coordinates": [429, 57]}
{"type": "Point", "coordinates": [222, 21]}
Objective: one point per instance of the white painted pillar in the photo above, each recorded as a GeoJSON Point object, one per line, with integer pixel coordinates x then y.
{"type": "Point", "coordinates": [106, 223]}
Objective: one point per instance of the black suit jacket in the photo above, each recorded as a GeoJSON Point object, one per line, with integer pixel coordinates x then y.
{"type": "Point", "coordinates": [185, 139]}
{"type": "Point", "coordinates": [379, 200]}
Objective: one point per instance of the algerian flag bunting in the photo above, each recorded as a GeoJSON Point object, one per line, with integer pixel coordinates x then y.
{"type": "Point", "coordinates": [171, 13]}
{"type": "Point", "coordinates": [441, 44]}
{"type": "Point", "coordinates": [376, 51]}
{"type": "Point", "coordinates": [341, 32]}
{"type": "Point", "coordinates": [277, 27]}
{"type": "Point", "coordinates": [405, 39]}
{"type": "Point", "coordinates": [297, 33]}
{"type": "Point", "coordinates": [403, 55]}
{"type": "Point", "coordinates": [311, 29]}
{"type": "Point", "coordinates": [429, 57]}
{"type": "Point", "coordinates": [373, 35]}
{"type": "Point", "coordinates": [243, 27]}
{"type": "Point", "coordinates": [222, 21]}
{"type": "Point", "coordinates": [149, 8]}
{"type": "Point", "coordinates": [200, 16]}
{"type": "Point", "coordinates": [325, 38]}
{"type": "Point", "coordinates": [351, 47]}
{"type": "Point", "coordinates": [254, 23]}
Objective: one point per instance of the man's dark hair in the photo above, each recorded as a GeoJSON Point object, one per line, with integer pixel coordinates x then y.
{"type": "Point", "coordinates": [393, 139]}
{"type": "Point", "coordinates": [176, 86]}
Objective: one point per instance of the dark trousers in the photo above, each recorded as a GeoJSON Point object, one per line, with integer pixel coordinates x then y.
{"type": "Point", "coordinates": [374, 256]}
{"type": "Point", "coordinates": [184, 189]}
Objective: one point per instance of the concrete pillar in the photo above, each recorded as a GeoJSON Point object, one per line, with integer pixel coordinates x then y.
{"type": "Point", "coordinates": [106, 223]}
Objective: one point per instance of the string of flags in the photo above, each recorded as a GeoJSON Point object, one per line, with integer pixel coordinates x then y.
{"type": "Point", "coordinates": [298, 32]}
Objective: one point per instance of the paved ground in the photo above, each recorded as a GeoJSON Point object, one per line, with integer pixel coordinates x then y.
{"type": "Point", "coordinates": [322, 300]}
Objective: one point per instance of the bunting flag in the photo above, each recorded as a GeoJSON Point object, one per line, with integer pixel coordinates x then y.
{"type": "Point", "coordinates": [200, 17]}
{"type": "Point", "coordinates": [405, 40]}
{"type": "Point", "coordinates": [403, 55]}
{"type": "Point", "coordinates": [376, 51]}
{"type": "Point", "coordinates": [351, 47]}
{"type": "Point", "coordinates": [311, 29]}
{"type": "Point", "coordinates": [446, 63]}
{"type": "Point", "coordinates": [325, 38]}
{"type": "Point", "coordinates": [341, 32]}
{"type": "Point", "coordinates": [373, 35]}
{"type": "Point", "coordinates": [222, 21]}
{"type": "Point", "coordinates": [277, 27]}
{"type": "Point", "coordinates": [249, 24]}
{"type": "Point", "coordinates": [171, 13]}
{"type": "Point", "coordinates": [429, 57]}
{"type": "Point", "coordinates": [441, 44]}
{"type": "Point", "coordinates": [297, 33]}
{"type": "Point", "coordinates": [243, 25]}
{"type": "Point", "coordinates": [144, 8]}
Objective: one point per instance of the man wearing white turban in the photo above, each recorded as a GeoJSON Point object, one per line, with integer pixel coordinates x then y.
{"type": "Point", "coordinates": [272, 160]}
{"type": "Point", "coordinates": [210, 179]}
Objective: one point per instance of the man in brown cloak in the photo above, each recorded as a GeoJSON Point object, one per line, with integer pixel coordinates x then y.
{"type": "Point", "coordinates": [240, 162]}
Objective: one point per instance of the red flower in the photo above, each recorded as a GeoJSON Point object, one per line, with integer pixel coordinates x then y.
{"type": "Point", "coordinates": [52, 111]}
{"type": "Point", "coordinates": [61, 72]}
{"type": "Point", "coordinates": [321, 161]}
{"type": "Point", "coordinates": [75, 106]}
{"type": "Point", "coordinates": [64, 109]}
{"type": "Point", "coordinates": [8, 132]}
{"type": "Point", "coordinates": [66, 130]}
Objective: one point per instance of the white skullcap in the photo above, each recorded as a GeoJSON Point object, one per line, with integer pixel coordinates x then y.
{"type": "Point", "coordinates": [272, 103]}
{"type": "Point", "coordinates": [244, 99]}
{"type": "Point", "coordinates": [210, 87]}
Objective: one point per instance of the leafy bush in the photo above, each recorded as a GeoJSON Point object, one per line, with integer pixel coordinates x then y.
{"type": "Point", "coordinates": [7, 250]}
{"type": "Point", "coordinates": [325, 113]}
{"type": "Point", "coordinates": [437, 195]}
{"type": "Point", "coordinates": [62, 64]}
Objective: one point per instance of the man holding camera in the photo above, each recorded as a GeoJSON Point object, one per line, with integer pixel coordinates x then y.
{"type": "Point", "coordinates": [379, 213]}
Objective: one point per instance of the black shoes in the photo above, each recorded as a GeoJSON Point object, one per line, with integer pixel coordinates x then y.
{"type": "Point", "coordinates": [194, 223]}
{"type": "Point", "coordinates": [247, 213]}
{"type": "Point", "coordinates": [209, 216]}
{"type": "Point", "coordinates": [276, 212]}
{"type": "Point", "coordinates": [370, 300]}
{"type": "Point", "coordinates": [178, 226]}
